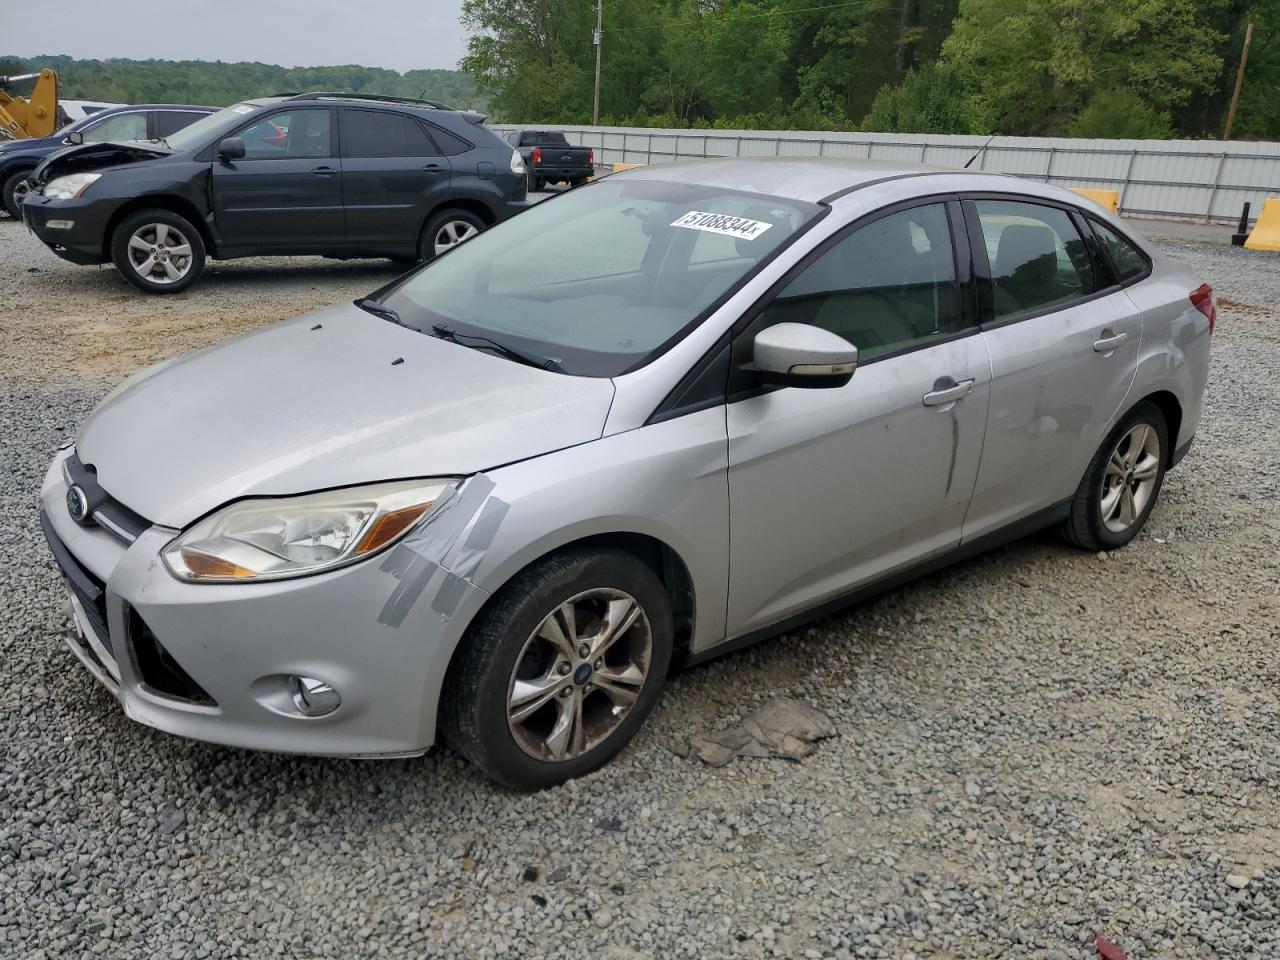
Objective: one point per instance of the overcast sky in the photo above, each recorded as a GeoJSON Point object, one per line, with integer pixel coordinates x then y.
{"type": "Point", "coordinates": [400, 34]}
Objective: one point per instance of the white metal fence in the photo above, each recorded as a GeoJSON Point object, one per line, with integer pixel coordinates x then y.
{"type": "Point", "coordinates": [1205, 180]}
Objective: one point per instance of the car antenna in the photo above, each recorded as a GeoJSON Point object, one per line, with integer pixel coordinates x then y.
{"type": "Point", "coordinates": [980, 149]}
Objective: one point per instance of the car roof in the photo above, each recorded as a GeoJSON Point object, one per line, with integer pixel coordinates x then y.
{"type": "Point", "coordinates": [814, 179]}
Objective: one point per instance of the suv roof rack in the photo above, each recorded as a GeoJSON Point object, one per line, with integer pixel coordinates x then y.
{"type": "Point", "coordinates": [376, 97]}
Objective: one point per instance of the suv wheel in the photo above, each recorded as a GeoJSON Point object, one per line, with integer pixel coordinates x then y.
{"type": "Point", "coordinates": [1120, 488]}
{"type": "Point", "coordinates": [14, 191]}
{"type": "Point", "coordinates": [446, 230]}
{"type": "Point", "coordinates": [561, 669]}
{"type": "Point", "coordinates": [158, 251]}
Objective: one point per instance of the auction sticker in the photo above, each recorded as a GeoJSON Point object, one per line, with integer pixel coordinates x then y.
{"type": "Point", "coordinates": [738, 227]}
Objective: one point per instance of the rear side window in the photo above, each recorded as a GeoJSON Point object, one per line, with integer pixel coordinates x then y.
{"type": "Point", "coordinates": [1038, 259]}
{"type": "Point", "coordinates": [1126, 260]}
{"type": "Point", "coordinates": [450, 144]}
{"type": "Point", "coordinates": [372, 133]}
{"type": "Point", "coordinates": [887, 286]}
{"type": "Point", "coordinates": [171, 121]}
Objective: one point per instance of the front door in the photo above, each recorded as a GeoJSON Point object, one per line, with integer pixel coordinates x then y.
{"type": "Point", "coordinates": [1064, 354]}
{"type": "Point", "coordinates": [390, 170]}
{"type": "Point", "coordinates": [286, 192]}
{"type": "Point", "coordinates": [830, 489]}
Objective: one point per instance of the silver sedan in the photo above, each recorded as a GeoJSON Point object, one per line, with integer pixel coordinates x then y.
{"type": "Point", "coordinates": [641, 424]}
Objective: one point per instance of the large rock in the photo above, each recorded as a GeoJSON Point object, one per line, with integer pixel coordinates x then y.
{"type": "Point", "coordinates": [779, 728]}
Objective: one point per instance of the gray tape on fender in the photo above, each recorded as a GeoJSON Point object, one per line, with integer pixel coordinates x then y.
{"type": "Point", "coordinates": [434, 549]}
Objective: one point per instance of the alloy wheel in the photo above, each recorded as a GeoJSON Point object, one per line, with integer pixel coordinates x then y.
{"type": "Point", "coordinates": [20, 191]}
{"type": "Point", "coordinates": [579, 674]}
{"type": "Point", "coordinates": [452, 233]}
{"type": "Point", "coordinates": [1130, 477]}
{"type": "Point", "coordinates": [160, 253]}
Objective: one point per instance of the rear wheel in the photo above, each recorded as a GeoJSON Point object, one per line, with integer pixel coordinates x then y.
{"type": "Point", "coordinates": [13, 191]}
{"type": "Point", "coordinates": [560, 670]}
{"type": "Point", "coordinates": [1120, 488]}
{"type": "Point", "coordinates": [158, 251]}
{"type": "Point", "coordinates": [446, 230]}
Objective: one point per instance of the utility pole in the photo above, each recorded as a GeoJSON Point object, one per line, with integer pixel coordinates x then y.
{"type": "Point", "coordinates": [595, 106]}
{"type": "Point", "coordinates": [1235, 96]}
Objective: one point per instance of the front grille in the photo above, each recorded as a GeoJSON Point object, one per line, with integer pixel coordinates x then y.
{"type": "Point", "coordinates": [159, 670]}
{"type": "Point", "coordinates": [88, 589]}
{"type": "Point", "coordinates": [103, 509]}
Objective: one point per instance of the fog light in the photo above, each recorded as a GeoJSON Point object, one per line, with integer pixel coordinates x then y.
{"type": "Point", "coordinates": [59, 224]}
{"type": "Point", "coordinates": [312, 697]}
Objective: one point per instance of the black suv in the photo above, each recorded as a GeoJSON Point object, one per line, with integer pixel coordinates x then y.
{"type": "Point", "coordinates": [333, 174]}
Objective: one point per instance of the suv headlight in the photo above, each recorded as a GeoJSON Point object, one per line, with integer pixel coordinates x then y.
{"type": "Point", "coordinates": [517, 162]}
{"type": "Point", "coordinates": [71, 186]}
{"type": "Point", "coordinates": [275, 538]}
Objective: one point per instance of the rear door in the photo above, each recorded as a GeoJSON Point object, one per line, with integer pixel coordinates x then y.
{"type": "Point", "coordinates": [391, 171]}
{"type": "Point", "coordinates": [830, 489]}
{"type": "Point", "coordinates": [1064, 341]}
{"type": "Point", "coordinates": [286, 192]}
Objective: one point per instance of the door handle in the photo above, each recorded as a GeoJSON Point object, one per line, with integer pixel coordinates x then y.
{"type": "Point", "coordinates": [323, 171]}
{"type": "Point", "coordinates": [936, 398]}
{"type": "Point", "coordinates": [1110, 342]}
{"type": "Point", "coordinates": [432, 168]}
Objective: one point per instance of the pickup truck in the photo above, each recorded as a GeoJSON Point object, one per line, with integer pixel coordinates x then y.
{"type": "Point", "coordinates": [550, 159]}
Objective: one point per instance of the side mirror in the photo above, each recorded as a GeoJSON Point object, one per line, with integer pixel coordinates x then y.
{"type": "Point", "coordinates": [232, 148]}
{"type": "Point", "coordinates": [802, 355]}
{"type": "Point", "coordinates": [75, 137]}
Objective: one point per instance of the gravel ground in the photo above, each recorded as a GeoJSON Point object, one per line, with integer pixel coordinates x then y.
{"type": "Point", "coordinates": [1033, 746]}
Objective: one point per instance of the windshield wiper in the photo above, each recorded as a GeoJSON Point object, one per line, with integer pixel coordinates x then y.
{"type": "Point", "coordinates": [380, 309]}
{"type": "Point", "coordinates": [526, 357]}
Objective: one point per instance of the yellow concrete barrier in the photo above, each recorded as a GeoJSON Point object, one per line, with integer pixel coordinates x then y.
{"type": "Point", "coordinates": [619, 167]}
{"type": "Point", "coordinates": [1107, 199]}
{"type": "Point", "coordinates": [1266, 232]}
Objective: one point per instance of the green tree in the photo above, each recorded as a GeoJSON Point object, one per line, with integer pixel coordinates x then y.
{"type": "Point", "coordinates": [928, 100]}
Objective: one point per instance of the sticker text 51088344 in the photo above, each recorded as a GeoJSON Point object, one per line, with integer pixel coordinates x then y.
{"type": "Point", "coordinates": [730, 226]}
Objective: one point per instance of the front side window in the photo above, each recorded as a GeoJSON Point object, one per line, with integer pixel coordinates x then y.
{"type": "Point", "coordinates": [122, 126]}
{"type": "Point", "coordinates": [1038, 259]}
{"type": "Point", "coordinates": [600, 278]}
{"type": "Point", "coordinates": [372, 133]}
{"type": "Point", "coordinates": [293, 134]}
{"type": "Point", "coordinates": [1126, 260]}
{"type": "Point", "coordinates": [888, 286]}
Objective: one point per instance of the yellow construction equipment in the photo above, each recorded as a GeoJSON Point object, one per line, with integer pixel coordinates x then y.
{"type": "Point", "coordinates": [36, 114]}
{"type": "Point", "coordinates": [1107, 199]}
{"type": "Point", "coordinates": [1266, 232]}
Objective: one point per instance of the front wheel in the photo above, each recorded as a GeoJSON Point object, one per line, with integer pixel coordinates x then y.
{"type": "Point", "coordinates": [13, 191]}
{"type": "Point", "coordinates": [1120, 488]}
{"type": "Point", "coordinates": [446, 230]}
{"type": "Point", "coordinates": [158, 251]}
{"type": "Point", "coordinates": [560, 670]}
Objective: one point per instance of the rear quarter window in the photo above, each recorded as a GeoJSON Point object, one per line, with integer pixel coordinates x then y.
{"type": "Point", "coordinates": [1126, 259]}
{"type": "Point", "coordinates": [450, 143]}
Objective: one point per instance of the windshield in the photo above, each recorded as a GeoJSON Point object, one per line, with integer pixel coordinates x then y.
{"type": "Point", "coordinates": [601, 278]}
{"type": "Point", "coordinates": [207, 129]}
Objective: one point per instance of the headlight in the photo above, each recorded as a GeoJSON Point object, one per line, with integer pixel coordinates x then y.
{"type": "Point", "coordinates": [517, 162]}
{"type": "Point", "coordinates": [70, 187]}
{"type": "Point", "coordinates": [270, 539]}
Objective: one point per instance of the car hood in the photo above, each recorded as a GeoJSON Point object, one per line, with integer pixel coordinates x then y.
{"type": "Point", "coordinates": [39, 145]}
{"type": "Point", "coordinates": [83, 157]}
{"type": "Point", "coordinates": [330, 399]}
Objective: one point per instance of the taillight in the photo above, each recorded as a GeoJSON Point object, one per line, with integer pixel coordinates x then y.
{"type": "Point", "coordinates": [591, 156]}
{"type": "Point", "coordinates": [537, 155]}
{"type": "Point", "coordinates": [1202, 300]}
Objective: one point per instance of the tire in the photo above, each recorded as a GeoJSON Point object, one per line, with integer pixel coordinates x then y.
{"type": "Point", "coordinates": [536, 185]}
{"type": "Point", "coordinates": [1129, 458]}
{"type": "Point", "coordinates": [10, 190]}
{"type": "Point", "coordinates": [506, 645]}
{"type": "Point", "coordinates": [438, 227]}
{"type": "Point", "coordinates": [162, 271]}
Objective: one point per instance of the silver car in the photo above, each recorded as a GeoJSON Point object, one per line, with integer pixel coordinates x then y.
{"type": "Point", "coordinates": [644, 423]}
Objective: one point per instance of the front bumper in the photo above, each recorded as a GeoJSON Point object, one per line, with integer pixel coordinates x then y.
{"type": "Point", "coordinates": [85, 241]}
{"type": "Point", "coordinates": [237, 643]}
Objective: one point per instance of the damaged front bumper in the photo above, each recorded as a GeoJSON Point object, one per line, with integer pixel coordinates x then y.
{"type": "Point", "coordinates": [217, 662]}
